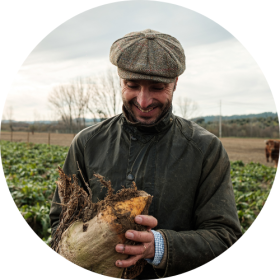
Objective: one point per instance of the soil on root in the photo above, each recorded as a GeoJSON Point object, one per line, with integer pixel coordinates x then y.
{"type": "Point", "coordinates": [77, 205]}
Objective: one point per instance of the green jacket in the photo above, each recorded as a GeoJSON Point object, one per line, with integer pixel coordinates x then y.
{"type": "Point", "coordinates": [182, 165]}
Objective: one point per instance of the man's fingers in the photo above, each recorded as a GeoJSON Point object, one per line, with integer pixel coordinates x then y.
{"type": "Point", "coordinates": [139, 236]}
{"type": "Point", "coordinates": [128, 262]}
{"type": "Point", "coordinates": [146, 220]}
{"type": "Point", "coordinates": [131, 250]}
{"type": "Point", "coordinates": [137, 252]}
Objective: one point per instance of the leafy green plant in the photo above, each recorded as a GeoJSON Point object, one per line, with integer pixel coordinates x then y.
{"type": "Point", "coordinates": [31, 172]}
{"type": "Point", "coordinates": [251, 184]}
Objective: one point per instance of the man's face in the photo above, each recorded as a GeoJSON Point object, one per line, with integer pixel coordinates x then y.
{"type": "Point", "coordinates": [147, 100]}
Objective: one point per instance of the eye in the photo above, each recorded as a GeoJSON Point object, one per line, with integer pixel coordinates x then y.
{"type": "Point", "coordinates": [158, 88]}
{"type": "Point", "coordinates": [133, 86]}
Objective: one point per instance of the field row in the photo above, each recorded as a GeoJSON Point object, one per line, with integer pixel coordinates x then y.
{"type": "Point", "coordinates": [31, 172]}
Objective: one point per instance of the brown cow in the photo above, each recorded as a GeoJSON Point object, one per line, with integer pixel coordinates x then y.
{"type": "Point", "coordinates": [272, 150]}
{"type": "Point", "coordinates": [268, 145]}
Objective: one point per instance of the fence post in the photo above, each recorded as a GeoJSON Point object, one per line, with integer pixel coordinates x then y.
{"type": "Point", "coordinates": [27, 136]}
{"type": "Point", "coordinates": [11, 136]}
{"type": "Point", "coordinates": [49, 138]}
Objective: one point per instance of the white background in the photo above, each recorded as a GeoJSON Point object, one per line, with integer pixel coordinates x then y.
{"type": "Point", "coordinates": [254, 23]}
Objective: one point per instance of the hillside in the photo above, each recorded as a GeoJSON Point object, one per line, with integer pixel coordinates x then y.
{"type": "Point", "coordinates": [236, 117]}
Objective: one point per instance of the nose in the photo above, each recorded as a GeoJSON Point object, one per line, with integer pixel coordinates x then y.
{"type": "Point", "coordinates": [144, 98]}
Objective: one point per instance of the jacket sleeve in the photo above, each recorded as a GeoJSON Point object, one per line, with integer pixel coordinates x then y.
{"type": "Point", "coordinates": [70, 167]}
{"type": "Point", "coordinates": [215, 219]}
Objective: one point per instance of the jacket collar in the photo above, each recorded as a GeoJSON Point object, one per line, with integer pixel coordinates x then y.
{"type": "Point", "coordinates": [146, 132]}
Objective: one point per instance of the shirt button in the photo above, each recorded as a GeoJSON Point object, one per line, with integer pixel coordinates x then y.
{"type": "Point", "coordinates": [133, 138]}
{"type": "Point", "coordinates": [130, 177]}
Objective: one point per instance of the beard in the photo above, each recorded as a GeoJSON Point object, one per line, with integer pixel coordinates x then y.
{"type": "Point", "coordinates": [164, 107]}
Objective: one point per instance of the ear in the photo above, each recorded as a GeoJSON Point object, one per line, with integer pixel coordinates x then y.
{"type": "Point", "coordinates": [122, 82]}
{"type": "Point", "coordinates": [175, 85]}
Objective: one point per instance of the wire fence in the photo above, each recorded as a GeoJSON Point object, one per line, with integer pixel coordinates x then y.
{"type": "Point", "coordinates": [61, 139]}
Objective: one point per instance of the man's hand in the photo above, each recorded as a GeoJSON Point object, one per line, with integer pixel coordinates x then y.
{"type": "Point", "coordinates": [146, 250]}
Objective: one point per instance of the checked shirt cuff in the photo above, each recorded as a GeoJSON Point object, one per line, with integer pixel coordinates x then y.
{"type": "Point", "coordinates": [159, 249]}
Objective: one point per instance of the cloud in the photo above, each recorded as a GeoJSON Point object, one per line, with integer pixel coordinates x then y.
{"type": "Point", "coordinates": [225, 71]}
{"type": "Point", "coordinates": [33, 83]}
{"type": "Point", "coordinates": [92, 33]}
{"type": "Point", "coordinates": [218, 67]}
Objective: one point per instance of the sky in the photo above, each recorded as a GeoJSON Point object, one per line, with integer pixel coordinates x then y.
{"type": "Point", "coordinates": [218, 67]}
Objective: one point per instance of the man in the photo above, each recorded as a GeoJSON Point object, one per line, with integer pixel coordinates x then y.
{"type": "Point", "coordinates": [184, 167]}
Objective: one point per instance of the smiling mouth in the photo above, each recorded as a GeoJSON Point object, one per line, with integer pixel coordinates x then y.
{"type": "Point", "coordinates": [145, 111]}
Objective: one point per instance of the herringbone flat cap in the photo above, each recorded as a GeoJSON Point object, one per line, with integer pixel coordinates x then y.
{"type": "Point", "coordinates": [148, 55]}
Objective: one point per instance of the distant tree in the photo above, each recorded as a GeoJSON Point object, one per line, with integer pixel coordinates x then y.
{"type": "Point", "coordinates": [99, 96]}
{"type": "Point", "coordinates": [105, 99]}
{"type": "Point", "coordinates": [8, 116]}
{"type": "Point", "coordinates": [69, 102]}
{"type": "Point", "coordinates": [187, 107]}
{"type": "Point", "coordinates": [32, 128]}
{"type": "Point", "coordinates": [81, 91]}
{"type": "Point", "coordinates": [200, 120]}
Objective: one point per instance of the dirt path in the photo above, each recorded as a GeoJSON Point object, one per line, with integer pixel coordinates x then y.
{"type": "Point", "coordinates": [246, 149]}
{"type": "Point", "coordinates": [60, 139]}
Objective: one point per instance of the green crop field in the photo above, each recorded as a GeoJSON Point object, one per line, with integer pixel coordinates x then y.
{"type": "Point", "coordinates": [31, 171]}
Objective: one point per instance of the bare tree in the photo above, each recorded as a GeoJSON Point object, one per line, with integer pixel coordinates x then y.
{"type": "Point", "coordinates": [36, 122]}
{"type": "Point", "coordinates": [187, 107]}
{"type": "Point", "coordinates": [70, 102]}
{"type": "Point", "coordinates": [81, 92]}
{"type": "Point", "coordinates": [8, 115]}
{"type": "Point", "coordinates": [61, 101]}
{"type": "Point", "coordinates": [105, 97]}
{"type": "Point", "coordinates": [98, 96]}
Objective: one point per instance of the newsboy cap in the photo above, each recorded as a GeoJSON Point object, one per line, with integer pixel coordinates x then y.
{"type": "Point", "coordinates": [148, 55]}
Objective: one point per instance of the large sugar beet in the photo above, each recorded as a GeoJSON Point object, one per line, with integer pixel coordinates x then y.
{"type": "Point", "coordinates": [89, 232]}
{"type": "Point", "coordinates": [94, 249]}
